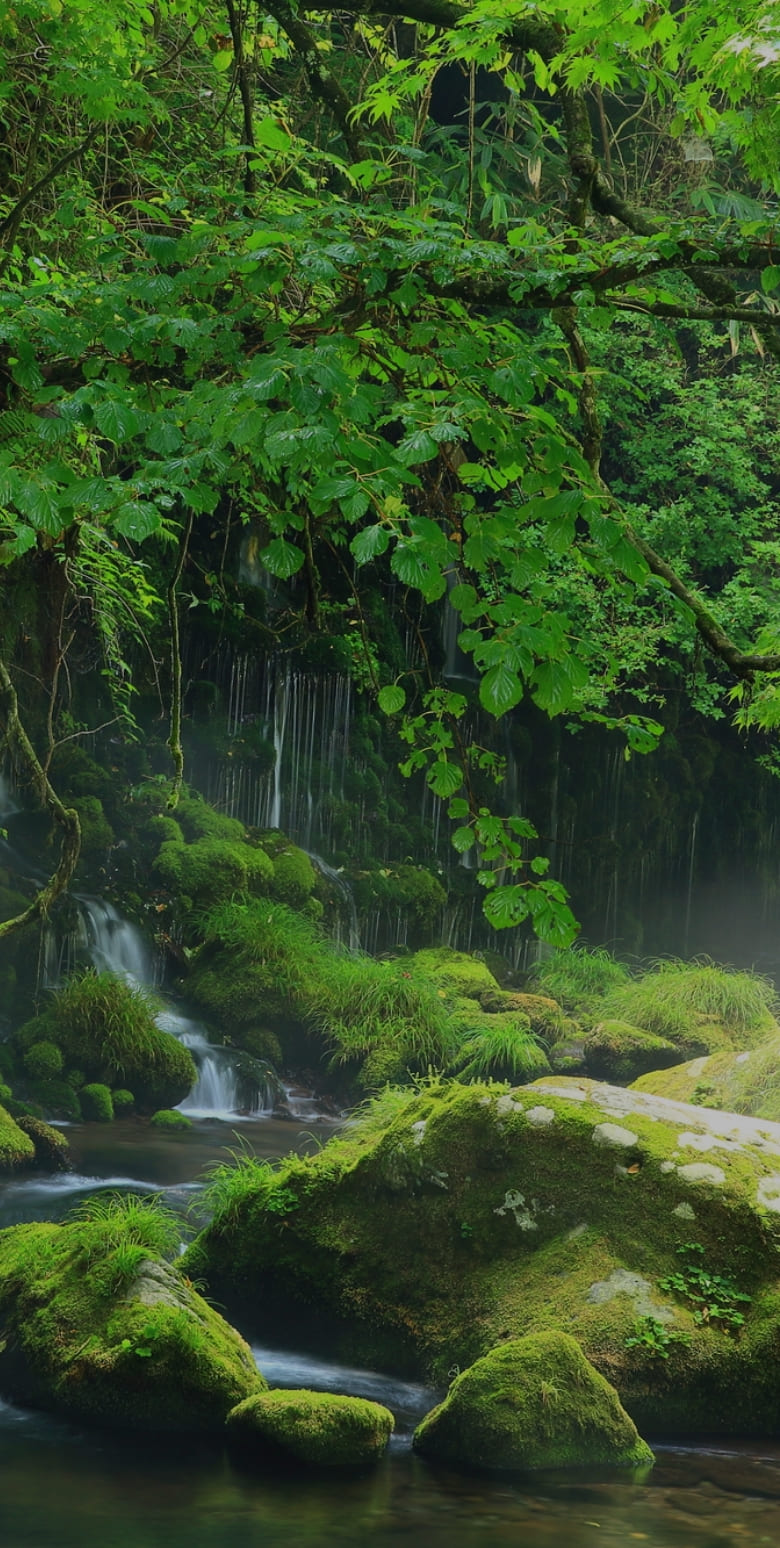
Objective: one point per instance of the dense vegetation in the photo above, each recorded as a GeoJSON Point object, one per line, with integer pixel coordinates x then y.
{"type": "Point", "coordinates": [388, 294]}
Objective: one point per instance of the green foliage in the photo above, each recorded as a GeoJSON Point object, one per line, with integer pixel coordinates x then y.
{"type": "Point", "coordinates": [111, 1220]}
{"type": "Point", "coordinates": [213, 870]}
{"type": "Point", "coordinates": [688, 1002]}
{"type": "Point", "coordinates": [715, 1298]}
{"type": "Point", "coordinates": [501, 1047]}
{"type": "Point", "coordinates": [123, 1101]}
{"type": "Point", "coordinates": [655, 1339]}
{"type": "Point", "coordinates": [105, 1029]}
{"type": "Point", "coordinates": [170, 1118]}
{"type": "Point", "coordinates": [293, 877]}
{"type": "Point", "coordinates": [580, 978]}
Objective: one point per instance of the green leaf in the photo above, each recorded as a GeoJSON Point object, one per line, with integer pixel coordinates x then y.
{"type": "Point", "coordinates": [506, 906]}
{"type": "Point", "coordinates": [463, 839]}
{"type": "Point", "coordinates": [500, 690]}
{"type": "Point", "coordinates": [458, 808]}
{"type": "Point", "coordinates": [369, 543]}
{"type": "Point", "coordinates": [281, 558]}
{"type": "Point", "coordinates": [391, 699]}
{"type": "Point", "coordinates": [445, 778]}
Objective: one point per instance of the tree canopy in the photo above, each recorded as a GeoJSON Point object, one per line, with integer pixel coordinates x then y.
{"type": "Point", "coordinates": [482, 297]}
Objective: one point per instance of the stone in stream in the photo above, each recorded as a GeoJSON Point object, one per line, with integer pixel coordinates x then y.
{"type": "Point", "coordinates": [449, 1221]}
{"type": "Point", "coordinates": [532, 1403]}
{"type": "Point", "coordinates": [323, 1429]}
{"type": "Point", "coordinates": [97, 1326]}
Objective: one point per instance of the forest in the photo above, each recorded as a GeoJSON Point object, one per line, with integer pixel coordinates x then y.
{"type": "Point", "coordinates": [389, 697]}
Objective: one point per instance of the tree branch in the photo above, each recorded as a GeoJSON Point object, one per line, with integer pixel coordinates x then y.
{"type": "Point", "coordinates": [323, 84]}
{"type": "Point", "coordinates": [24, 756]}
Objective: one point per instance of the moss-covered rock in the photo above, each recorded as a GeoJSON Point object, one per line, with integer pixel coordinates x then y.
{"type": "Point", "coordinates": [170, 1118]}
{"type": "Point", "coordinates": [544, 1015]}
{"type": "Point", "coordinates": [458, 973]}
{"type": "Point", "coordinates": [294, 877]}
{"type": "Point", "coordinates": [96, 1103]}
{"type": "Point", "coordinates": [43, 1061]}
{"type": "Point", "coordinates": [699, 1007]}
{"type": "Point", "coordinates": [16, 1147]}
{"type": "Point", "coordinates": [97, 1326]}
{"type": "Point", "coordinates": [615, 1051]}
{"type": "Point", "coordinates": [320, 1428]}
{"type": "Point", "coordinates": [451, 1220]}
{"type": "Point", "coordinates": [105, 1029]}
{"type": "Point", "coordinates": [533, 1402]}
{"type": "Point", "coordinates": [51, 1147]}
{"type": "Point", "coordinates": [746, 1082]}
{"type": "Point", "coordinates": [124, 1102]}
{"type": "Point", "coordinates": [213, 870]}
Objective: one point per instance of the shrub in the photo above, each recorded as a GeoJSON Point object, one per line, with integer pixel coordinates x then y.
{"type": "Point", "coordinates": [96, 1104]}
{"type": "Point", "coordinates": [43, 1060]}
{"type": "Point", "coordinates": [97, 835]}
{"type": "Point", "coordinates": [124, 1102]}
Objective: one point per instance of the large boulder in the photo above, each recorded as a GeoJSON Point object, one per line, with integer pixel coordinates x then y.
{"type": "Point", "coordinates": [533, 1402]}
{"type": "Point", "coordinates": [746, 1082]}
{"type": "Point", "coordinates": [96, 1325]}
{"type": "Point", "coordinates": [617, 1052]}
{"type": "Point", "coordinates": [320, 1428]}
{"type": "Point", "coordinates": [451, 1220]}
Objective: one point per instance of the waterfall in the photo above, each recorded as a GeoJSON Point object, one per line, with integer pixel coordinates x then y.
{"type": "Point", "coordinates": [227, 1084]}
{"type": "Point", "coordinates": [348, 898]}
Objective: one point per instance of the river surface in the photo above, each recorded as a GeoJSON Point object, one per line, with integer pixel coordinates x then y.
{"type": "Point", "coordinates": [62, 1486]}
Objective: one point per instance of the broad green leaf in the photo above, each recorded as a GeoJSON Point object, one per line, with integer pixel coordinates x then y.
{"type": "Point", "coordinates": [391, 699]}
{"type": "Point", "coordinates": [500, 690]}
{"type": "Point", "coordinates": [281, 558]}
{"type": "Point", "coordinates": [445, 778]}
{"type": "Point", "coordinates": [369, 543]}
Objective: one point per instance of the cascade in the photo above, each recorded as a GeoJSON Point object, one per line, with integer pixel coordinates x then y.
{"type": "Point", "coordinates": [348, 898]}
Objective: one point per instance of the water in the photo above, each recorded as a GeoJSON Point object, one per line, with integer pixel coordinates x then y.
{"type": "Point", "coordinates": [108, 1491]}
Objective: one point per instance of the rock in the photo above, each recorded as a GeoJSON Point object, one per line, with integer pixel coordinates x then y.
{"type": "Point", "coordinates": [94, 1324]}
{"type": "Point", "coordinates": [744, 1082]}
{"type": "Point", "coordinates": [456, 1218]}
{"type": "Point", "coordinates": [532, 1403]}
{"type": "Point", "coordinates": [16, 1147]}
{"type": "Point", "coordinates": [616, 1051]}
{"type": "Point", "coordinates": [321, 1428]}
{"type": "Point", "coordinates": [51, 1147]}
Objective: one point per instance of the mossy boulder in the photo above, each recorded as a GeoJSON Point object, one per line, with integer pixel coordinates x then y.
{"type": "Point", "coordinates": [448, 1221]}
{"type": "Point", "coordinates": [95, 1325]}
{"type": "Point", "coordinates": [458, 973]}
{"type": "Point", "coordinates": [544, 1015]}
{"type": "Point", "coordinates": [746, 1082]}
{"type": "Point", "coordinates": [16, 1147]}
{"type": "Point", "coordinates": [213, 870]}
{"type": "Point", "coordinates": [534, 1402]}
{"type": "Point", "coordinates": [616, 1051]}
{"type": "Point", "coordinates": [293, 876]}
{"type": "Point", "coordinates": [96, 1103]}
{"type": "Point", "coordinates": [51, 1147]}
{"type": "Point", "coordinates": [170, 1118]}
{"type": "Point", "coordinates": [320, 1428]}
{"type": "Point", "coordinates": [105, 1029]}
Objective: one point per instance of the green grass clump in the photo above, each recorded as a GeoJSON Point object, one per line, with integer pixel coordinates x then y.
{"type": "Point", "coordinates": [697, 1004]}
{"type": "Point", "coordinates": [579, 978]}
{"type": "Point", "coordinates": [501, 1047]}
{"type": "Point", "coordinates": [365, 1008]}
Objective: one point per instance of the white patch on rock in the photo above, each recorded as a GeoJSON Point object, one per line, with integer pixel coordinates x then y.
{"type": "Point", "coordinates": [507, 1104]}
{"type": "Point", "coordinates": [418, 1130]}
{"type": "Point", "coordinates": [684, 1212]}
{"type": "Point", "coordinates": [667, 1166]}
{"type": "Point", "coordinates": [706, 1142]}
{"type": "Point", "coordinates": [702, 1172]}
{"type": "Point", "coordinates": [484, 1102]}
{"type": "Point", "coordinates": [742, 1058]}
{"type": "Point", "coordinates": [525, 1212]}
{"type": "Point", "coordinates": [572, 1093]}
{"type": "Point", "coordinates": [576, 1231]}
{"type": "Point", "coordinates": [623, 1282]}
{"type": "Point", "coordinates": [697, 1066]}
{"type": "Point", "coordinates": [611, 1134]}
{"type": "Point", "coordinates": [769, 1194]}
{"type": "Point", "coordinates": [540, 1117]}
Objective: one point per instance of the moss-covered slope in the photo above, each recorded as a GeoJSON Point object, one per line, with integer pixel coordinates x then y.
{"type": "Point", "coordinates": [747, 1082]}
{"type": "Point", "coordinates": [467, 1215]}
{"type": "Point", "coordinates": [96, 1325]}
{"type": "Point", "coordinates": [16, 1148]}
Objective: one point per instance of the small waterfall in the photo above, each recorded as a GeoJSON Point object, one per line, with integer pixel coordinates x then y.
{"type": "Point", "coordinates": [347, 895]}
{"type": "Point", "coordinates": [228, 1084]}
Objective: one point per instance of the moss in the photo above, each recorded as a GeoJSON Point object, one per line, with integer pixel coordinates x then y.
{"type": "Point", "coordinates": [96, 1103]}
{"type": "Point", "coordinates": [213, 870]}
{"type": "Point", "coordinates": [446, 1221]}
{"type": "Point", "coordinates": [456, 972]}
{"type": "Point", "coordinates": [532, 1403]}
{"type": "Point", "coordinates": [499, 1047]}
{"type": "Point", "coordinates": [124, 1102]}
{"type": "Point", "coordinates": [105, 1028]}
{"type": "Point", "coordinates": [170, 1118]}
{"type": "Point", "coordinates": [544, 1015]}
{"type": "Point", "coordinates": [699, 1007]}
{"type": "Point", "coordinates": [619, 1052]}
{"type": "Point", "coordinates": [16, 1147]}
{"type": "Point", "coordinates": [43, 1061]}
{"type": "Point", "coordinates": [97, 835]}
{"type": "Point", "coordinates": [294, 877]}
{"type": "Point", "coordinates": [319, 1428]}
{"type": "Point", "coordinates": [57, 1098]}
{"type": "Point", "coordinates": [96, 1325]}
{"type": "Point", "coordinates": [746, 1082]}
{"type": "Point", "coordinates": [51, 1147]}
{"type": "Point", "coordinates": [198, 820]}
